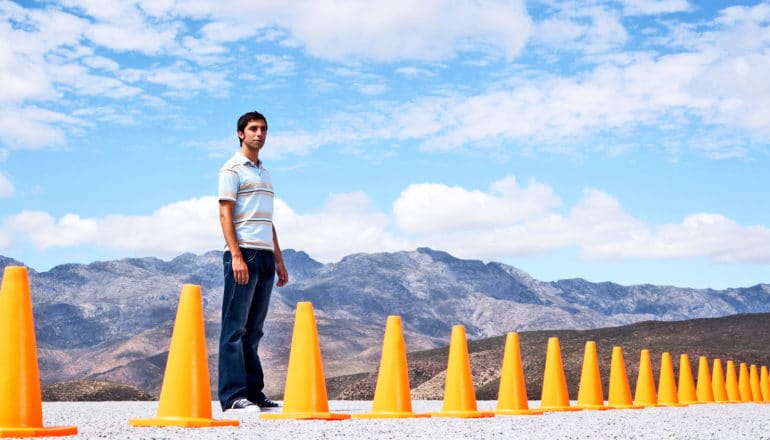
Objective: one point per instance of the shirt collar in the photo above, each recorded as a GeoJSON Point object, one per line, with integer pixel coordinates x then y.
{"type": "Point", "coordinates": [246, 161]}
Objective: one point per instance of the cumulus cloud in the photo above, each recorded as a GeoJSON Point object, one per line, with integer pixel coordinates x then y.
{"type": "Point", "coordinates": [597, 225]}
{"type": "Point", "coordinates": [345, 225]}
{"type": "Point", "coordinates": [187, 226]}
{"type": "Point", "coordinates": [437, 208]}
{"type": "Point", "coordinates": [507, 220]}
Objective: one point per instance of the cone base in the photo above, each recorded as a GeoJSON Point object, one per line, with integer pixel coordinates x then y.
{"type": "Point", "coordinates": [389, 415]}
{"type": "Point", "coordinates": [646, 404]}
{"type": "Point", "coordinates": [629, 406]}
{"type": "Point", "coordinates": [518, 412]}
{"type": "Point", "coordinates": [672, 404]}
{"type": "Point", "coordinates": [559, 408]}
{"type": "Point", "coordinates": [50, 431]}
{"type": "Point", "coordinates": [591, 407]}
{"type": "Point", "coordinates": [305, 416]}
{"type": "Point", "coordinates": [184, 422]}
{"type": "Point", "coordinates": [464, 414]}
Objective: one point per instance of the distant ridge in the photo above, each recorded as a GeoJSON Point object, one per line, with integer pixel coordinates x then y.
{"type": "Point", "coordinates": [742, 338]}
{"type": "Point", "coordinates": [112, 320]}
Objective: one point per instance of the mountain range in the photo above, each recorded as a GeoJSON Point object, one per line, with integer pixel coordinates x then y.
{"type": "Point", "coordinates": [112, 320]}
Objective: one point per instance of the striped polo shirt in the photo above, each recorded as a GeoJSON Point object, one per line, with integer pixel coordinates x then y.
{"type": "Point", "coordinates": [249, 185]}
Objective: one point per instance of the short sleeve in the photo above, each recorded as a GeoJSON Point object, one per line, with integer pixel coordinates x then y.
{"type": "Point", "coordinates": [228, 184]}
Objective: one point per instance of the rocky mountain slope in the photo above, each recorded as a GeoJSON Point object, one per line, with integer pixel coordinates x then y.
{"type": "Point", "coordinates": [112, 320]}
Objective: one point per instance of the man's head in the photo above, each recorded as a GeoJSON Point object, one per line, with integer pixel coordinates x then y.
{"type": "Point", "coordinates": [251, 127]}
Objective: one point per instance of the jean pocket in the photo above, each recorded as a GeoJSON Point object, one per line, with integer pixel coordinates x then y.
{"type": "Point", "coordinates": [249, 254]}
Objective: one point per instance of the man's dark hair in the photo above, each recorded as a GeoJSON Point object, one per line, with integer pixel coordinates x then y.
{"type": "Point", "coordinates": [244, 120]}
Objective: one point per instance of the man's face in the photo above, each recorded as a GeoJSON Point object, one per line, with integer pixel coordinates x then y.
{"type": "Point", "coordinates": [254, 135]}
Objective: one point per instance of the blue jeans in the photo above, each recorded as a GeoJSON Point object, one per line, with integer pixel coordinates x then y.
{"type": "Point", "coordinates": [244, 308]}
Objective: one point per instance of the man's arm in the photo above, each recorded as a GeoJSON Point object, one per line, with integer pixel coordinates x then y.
{"type": "Point", "coordinates": [280, 268]}
{"type": "Point", "coordinates": [240, 269]}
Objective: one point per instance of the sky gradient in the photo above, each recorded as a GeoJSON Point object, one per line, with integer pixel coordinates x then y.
{"type": "Point", "coordinates": [622, 141]}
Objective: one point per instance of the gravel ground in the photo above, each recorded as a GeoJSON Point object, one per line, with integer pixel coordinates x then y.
{"type": "Point", "coordinates": [109, 420]}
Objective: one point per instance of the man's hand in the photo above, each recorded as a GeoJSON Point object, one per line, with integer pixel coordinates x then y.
{"type": "Point", "coordinates": [283, 274]}
{"type": "Point", "coordinates": [240, 270]}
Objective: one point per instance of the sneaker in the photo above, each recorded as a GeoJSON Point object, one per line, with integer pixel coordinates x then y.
{"type": "Point", "coordinates": [267, 403]}
{"type": "Point", "coordinates": [243, 405]}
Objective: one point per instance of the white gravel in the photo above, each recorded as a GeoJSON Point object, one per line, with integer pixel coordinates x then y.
{"type": "Point", "coordinates": [109, 420]}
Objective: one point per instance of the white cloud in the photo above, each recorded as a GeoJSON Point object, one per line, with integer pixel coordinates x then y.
{"type": "Point", "coordinates": [187, 226]}
{"type": "Point", "coordinates": [389, 30]}
{"type": "Point", "coordinates": [437, 208]}
{"type": "Point", "coordinates": [506, 221]}
{"type": "Point", "coordinates": [345, 225]}
{"type": "Point", "coordinates": [6, 186]}
{"type": "Point", "coordinates": [596, 224]}
{"type": "Point", "coordinates": [275, 65]}
{"type": "Point", "coordinates": [655, 7]}
{"type": "Point", "coordinates": [34, 127]}
{"type": "Point", "coordinates": [101, 63]}
{"type": "Point", "coordinates": [180, 77]}
{"type": "Point", "coordinates": [22, 77]}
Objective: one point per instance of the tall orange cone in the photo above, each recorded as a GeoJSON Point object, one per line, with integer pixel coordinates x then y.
{"type": "Point", "coordinates": [512, 395]}
{"type": "Point", "coordinates": [764, 384]}
{"type": "Point", "coordinates": [744, 386]}
{"type": "Point", "coordinates": [590, 394]}
{"type": "Point", "coordinates": [21, 407]}
{"type": "Point", "coordinates": [304, 395]}
{"type": "Point", "coordinates": [645, 394]}
{"type": "Point", "coordinates": [459, 394]}
{"type": "Point", "coordinates": [620, 390]}
{"type": "Point", "coordinates": [185, 396]}
{"type": "Point", "coordinates": [718, 382]}
{"type": "Point", "coordinates": [667, 395]}
{"type": "Point", "coordinates": [756, 391]}
{"type": "Point", "coordinates": [391, 395]}
{"type": "Point", "coordinates": [555, 396]}
{"type": "Point", "coordinates": [686, 390]}
{"type": "Point", "coordinates": [704, 389]}
{"type": "Point", "coordinates": [731, 383]}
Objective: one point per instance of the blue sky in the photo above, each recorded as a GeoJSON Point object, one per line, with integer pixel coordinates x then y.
{"type": "Point", "coordinates": [622, 141]}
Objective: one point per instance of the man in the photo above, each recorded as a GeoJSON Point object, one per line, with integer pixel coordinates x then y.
{"type": "Point", "coordinates": [251, 261]}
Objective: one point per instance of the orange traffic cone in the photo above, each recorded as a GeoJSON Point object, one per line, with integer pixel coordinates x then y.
{"type": "Point", "coordinates": [731, 383]}
{"type": "Point", "coordinates": [512, 395]}
{"type": "Point", "coordinates": [667, 395]}
{"type": "Point", "coordinates": [185, 396]}
{"type": "Point", "coordinates": [686, 390]}
{"type": "Point", "coordinates": [391, 395]}
{"type": "Point", "coordinates": [645, 394]}
{"type": "Point", "coordinates": [21, 407]}
{"type": "Point", "coordinates": [459, 394]}
{"type": "Point", "coordinates": [590, 394]}
{"type": "Point", "coordinates": [704, 390]}
{"type": "Point", "coordinates": [620, 390]}
{"type": "Point", "coordinates": [555, 396]}
{"type": "Point", "coordinates": [304, 395]}
{"type": "Point", "coordinates": [718, 383]}
{"type": "Point", "coordinates": [764, 384]}
{"type": "Point", "coordinates": [756, 391]}
{"type": "Point", "coordinates": [744, 386]}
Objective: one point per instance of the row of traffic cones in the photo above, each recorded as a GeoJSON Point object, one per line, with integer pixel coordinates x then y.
{"type": "Point", "coordinates": [185, 398]}
{"type": "Point", "coordinates": [750, 385]}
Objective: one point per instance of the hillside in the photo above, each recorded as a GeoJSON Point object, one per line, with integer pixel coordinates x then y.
{"type": "Point", "coordinates": [112, 320]}
{"type": "Point", "coordinates": [742, 338]}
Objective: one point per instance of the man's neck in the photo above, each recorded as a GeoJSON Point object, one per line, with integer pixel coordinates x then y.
{"type": "Point", "coordinates": [252, 155]}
